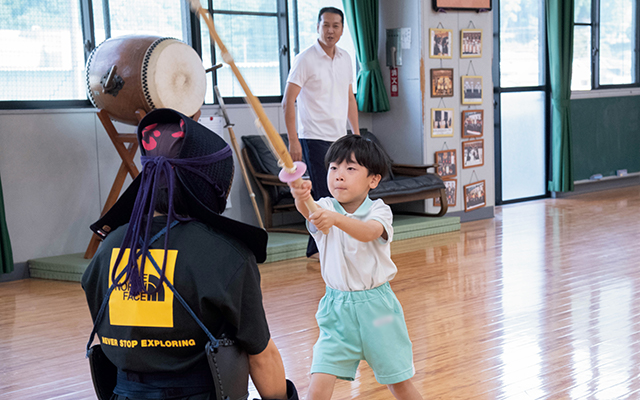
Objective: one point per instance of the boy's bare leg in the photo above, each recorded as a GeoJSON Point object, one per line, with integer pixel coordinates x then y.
{"type": "Point", "coordinates": [321, 387]}
{"type": "Point", "coordinates": [404, 391]}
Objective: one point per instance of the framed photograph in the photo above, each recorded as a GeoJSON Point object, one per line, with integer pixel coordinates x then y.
{"type": "Point", "coordinates": [470, 43]}
{"type": "Point", "coordinates": [447, 165]}
{"type": "Point", "coordinates": [472, 123]}
{"type": "Point", "coordinates": [442, 82]}
{"type": "Point", "coordinates": [471, 89]}
{"type": "Point", "coordinates": [476, 5]}
{"type": "Point", "coordinates": [474, 196]}
{"type": "Point", "coordinates": [440, 43]}
{"type": "Point", "coordinates": [451, 188]}
{"type": "Point", "coordinates": [441, 122]}
{"type": "Point", "coordinates": [473, 153]}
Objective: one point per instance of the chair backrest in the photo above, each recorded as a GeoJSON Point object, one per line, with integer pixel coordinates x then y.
{"type": "Point", "coordinates": [265, 162]}
{"type": "Point", "coordinates": [261, 155]}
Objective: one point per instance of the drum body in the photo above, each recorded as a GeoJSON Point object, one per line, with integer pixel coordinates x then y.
{"type": "Point", "coordinates": [130, 73]}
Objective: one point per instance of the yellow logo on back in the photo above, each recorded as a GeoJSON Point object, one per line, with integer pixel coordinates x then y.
{"type": "Point", "coordinates": [143, 310]}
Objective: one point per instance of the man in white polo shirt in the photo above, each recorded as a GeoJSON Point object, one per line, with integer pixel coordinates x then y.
{"type": "Point", "coordinates": [321, 80]}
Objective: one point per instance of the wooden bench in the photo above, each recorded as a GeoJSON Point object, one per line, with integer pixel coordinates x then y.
{"type": "Point", "coordinates": [406, 182]}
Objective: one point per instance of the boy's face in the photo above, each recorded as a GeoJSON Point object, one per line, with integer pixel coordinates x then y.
{"type": "Point", "coordinates": [349, 183]}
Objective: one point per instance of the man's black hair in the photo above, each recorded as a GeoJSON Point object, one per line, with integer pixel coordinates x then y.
{"type": "Point", "coordinates": [360, 150]}
{"type": "Point", "coordinates": [331, 10]}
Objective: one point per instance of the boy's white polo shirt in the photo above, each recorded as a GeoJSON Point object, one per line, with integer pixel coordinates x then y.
{"type": "Point", "coordinates": [348, 264]}
{"type": "Point", "coordinates": [323, 102]}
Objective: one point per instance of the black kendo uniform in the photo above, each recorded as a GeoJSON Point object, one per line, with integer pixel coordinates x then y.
{"type": "Point", "coordinates": [157, 347]}
{"type": "Point", "coordinates": [214, 273]}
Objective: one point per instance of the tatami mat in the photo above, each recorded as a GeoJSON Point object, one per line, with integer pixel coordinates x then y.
{"type": "Point", "coordinates": [282, 246]}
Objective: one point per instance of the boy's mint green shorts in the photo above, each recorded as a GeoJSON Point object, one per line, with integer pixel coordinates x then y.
{"type": "Point", "coordinates": [364, 325]}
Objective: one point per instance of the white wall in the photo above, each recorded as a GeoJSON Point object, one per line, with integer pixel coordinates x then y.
{"type": "Point", "coordinates": [462, 66]}
{"type": "Point", "coordinates": [405, 130]}
{"type": "Point", "coordinates": [57, 168]}
{"type": "Point", "coordinates": [400, 129]}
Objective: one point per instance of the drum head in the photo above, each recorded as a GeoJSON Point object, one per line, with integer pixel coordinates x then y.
{"type": "Point", "coordinates": [173, 77]}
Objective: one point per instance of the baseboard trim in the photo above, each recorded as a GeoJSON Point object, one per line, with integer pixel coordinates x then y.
{"type": "Point", "coordinates": [20, 271]}
{"type": "Point", "coordinates": [607, 183]}
{"type": "Point", "coordinates": [475, 215]}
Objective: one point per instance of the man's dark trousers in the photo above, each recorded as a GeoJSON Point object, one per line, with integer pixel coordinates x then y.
{"type": "Point", "coordinates": [313, 151]}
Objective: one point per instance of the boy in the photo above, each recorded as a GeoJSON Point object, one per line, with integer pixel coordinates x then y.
{"type": "Point", "coordinates": [359, 317]}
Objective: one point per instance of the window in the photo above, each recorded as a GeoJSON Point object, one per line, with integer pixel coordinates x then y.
{"type": "Point", "coordinates": [520, 94]}
{"type": "Point", "coordinates": [41, 52]}
{"type": "Point", "coordinates": [113, 18]}
{"type": "Point", "coordinates": [303, 29]}
{"type": "Point", "coordinates": [522, 51]}
{"type": "Point", "coordinates": [605, 44]}
{"type": "Point", "coordinates": [44, 44]}
{"type": "Point", "coordinates": [254, 33]}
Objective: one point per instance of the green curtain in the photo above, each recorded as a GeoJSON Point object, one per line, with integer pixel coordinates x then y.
{"type": "Point", "coordinates": [362, 17]}
{"type": "Point", "coordinates": [560, 37]}
{"type": "Point", "coordinates": [6, 256]}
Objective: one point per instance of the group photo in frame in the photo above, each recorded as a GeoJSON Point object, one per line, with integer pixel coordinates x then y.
{"type": "Point", "coordinates": [474, 196]}
{"type": "Point", "coordinates": [471, 89]}
{"type": "Point", "coordinates": [442, 82]}
{"type": "Point", "coordinates": [473, 153]}
{"type": "Point", "coordinates": [441, 122]}
{"type": "Point", "coordinates": [476, 5]}
{"type": "Point", "coordinates": [450, 188]}
{"type": "Point", "coordinates": [470, 43]}
{"type": "Point", "coordinates": [472, 123]}
{"type": "Point", "coordinates": [447, 165]}
{"type": "Point", "coordinates": [440, 42]}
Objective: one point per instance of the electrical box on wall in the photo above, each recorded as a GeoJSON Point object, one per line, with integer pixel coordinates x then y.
{"type": "Point", "coordinates": [394, 48]}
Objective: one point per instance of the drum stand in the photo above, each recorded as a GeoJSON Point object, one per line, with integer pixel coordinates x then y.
{"type": "Point", "coordinates": [128, 166]}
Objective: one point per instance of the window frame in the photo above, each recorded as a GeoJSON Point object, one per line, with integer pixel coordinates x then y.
{"type": "Point", "coordinates": [282, 16]}
{"type": "Point", "coordinates": [595, 55]}
{"type": "Point", "coordinates": [194, 26]}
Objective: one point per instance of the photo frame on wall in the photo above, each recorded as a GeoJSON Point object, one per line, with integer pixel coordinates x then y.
{"type": "Point", "coordinates": [442, 82]}
{"type": "Point", "coordinates": [473, 5]}
{"type": "Point", "coordinates": [474, 196]}
{"type": "Point", "coordinates": [447, 163]}
{"type": "Point", "coordinates": [451, 189]}
{"type": "Point", "coordinates": [470, 43]}
{"type": "Point", "coordinates": [471, 89]}
{"type": "Point", "coordinates": [441, 122]}
{"type": "Point", "coordinates": [473, 153]}
{"type": "Point", "coordinates": [472, 123]}
{"type": "Point", "coordinates": [440, 42]}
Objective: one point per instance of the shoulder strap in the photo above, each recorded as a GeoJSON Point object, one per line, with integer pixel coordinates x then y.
{"type": "Point", "coordinates": [215, 342]}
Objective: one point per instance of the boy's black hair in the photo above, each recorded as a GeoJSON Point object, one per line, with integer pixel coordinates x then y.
{"type": "Point", "coordinates": [360, 150]}
{"type": "Point", "coordinates": [331, 10]}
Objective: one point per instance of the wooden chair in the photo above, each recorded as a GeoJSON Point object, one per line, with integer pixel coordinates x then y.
{"type": "Point", "coordinates": [405, 182]}
{"type": "Point", "coordinates": [264, 169]}
{"type": "Point", "coordinates": [408, 182]}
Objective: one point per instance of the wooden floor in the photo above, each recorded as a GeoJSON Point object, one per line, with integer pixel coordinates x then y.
{"type": "Point", "coordinates": [541, 302]}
